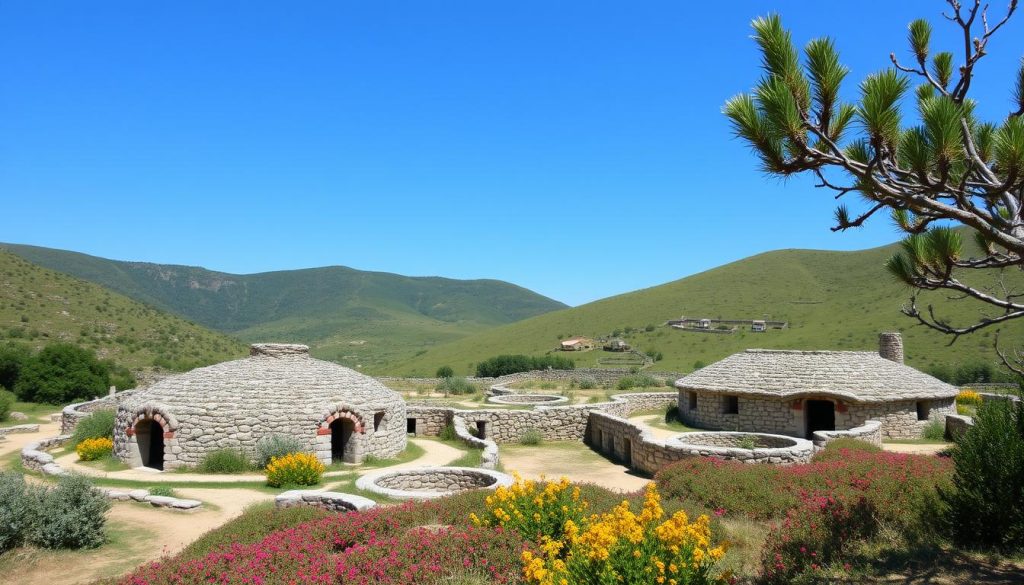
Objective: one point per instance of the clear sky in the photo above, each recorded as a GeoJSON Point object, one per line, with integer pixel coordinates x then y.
{"type": "Point", "coordinates": [574, 148]}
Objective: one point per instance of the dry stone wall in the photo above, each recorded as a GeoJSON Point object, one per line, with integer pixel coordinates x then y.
{"type": "Point", "coordinates": [870, 431]}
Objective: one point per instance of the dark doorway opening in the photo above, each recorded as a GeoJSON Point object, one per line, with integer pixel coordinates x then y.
{"type": "Point", "coordinates": [821, 416]}
{"type": "Point", "coordinates": [481, 429]}
{"type": "Point", "coordinates": [341, 440]}
{"type": "Point", "coordinates": [627, 452]}
{"type": "Point", "coordinates": [150, 437]}
{"type": "Point", "coordinates": [410, 426]}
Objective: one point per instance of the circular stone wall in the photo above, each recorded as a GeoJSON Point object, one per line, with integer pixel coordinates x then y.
{"type": "Point", "coordinates": [431, 482]}
{"type": "Point", "coordinates": [520, 399]}
{"type": "Point", "coordinates": [735, 445]}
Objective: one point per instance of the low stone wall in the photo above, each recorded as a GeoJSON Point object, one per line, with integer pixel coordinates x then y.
{"type": "Point", "coordinates": [489, 457]}
{"type": "Point", "coordinates": [638, 449]}
{"type": "Point", "coordinates": [957, 425]}
{"type": "Point", "coordinates": [993, 397]}
{"type": "Point", "coordinates": [430, 482]}
{"type": "Point", "coordinates": [29, 428]}
{"type": "Point", "coordinates": [528, 399]}
{"type": "Point", "coordinates": [870, 431]}
{"type": "Point", "coordinates": [155, 501]}
{"type": "Point", "coordinates": [73, 413]}
{"type": "Point", "coordinates": [333, 501]}
{"type": "Point", "coordinates": [737, 440]}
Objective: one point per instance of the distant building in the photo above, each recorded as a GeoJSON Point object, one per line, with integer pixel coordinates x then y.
{"type": "Point", "coordinates": [758, 326]}
{"type": "Point", "coordinates": [616, 345]}
{"type": "Point", "coordinates": [576, 344]}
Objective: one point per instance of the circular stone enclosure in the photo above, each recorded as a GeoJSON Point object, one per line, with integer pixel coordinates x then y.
{"type": "Point", "coordinates": [520, 399]}
{"type": "Point", "coordinates": [431, 482]}
{"type": "Point", "coordinates": [737, 440]}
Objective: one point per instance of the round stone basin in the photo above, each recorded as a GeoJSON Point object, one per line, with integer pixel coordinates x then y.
{"type": "Point", "coordinates": [737, 440]}
{"type": "Point", "coordinates": [423, 483]}
{"type": "Point", "coordinates": [520, 399]}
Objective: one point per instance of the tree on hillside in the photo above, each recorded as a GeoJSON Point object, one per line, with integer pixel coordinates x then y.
{"type": "Point", "coordinates": [12, 356]}
{"type": "Point", "coordinates": [944, 168]}
{"type": "Point", "coordinates": [62, 373]}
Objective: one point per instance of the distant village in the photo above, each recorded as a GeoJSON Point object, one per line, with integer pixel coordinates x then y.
{"type": "Point", "coordinates": [684, 323]}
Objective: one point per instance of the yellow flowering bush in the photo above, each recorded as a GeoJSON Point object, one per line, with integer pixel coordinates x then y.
{"type": "Point", "coordinates": [625, 547]}
{"type": "Point", "coordinates": [968, 398]}
{"type": "Point", "coordinates": [93, 449]}
{"type": "Point", "coordinates": [294, 469]}
{"type": "Point", "coordinates": [535, 510]}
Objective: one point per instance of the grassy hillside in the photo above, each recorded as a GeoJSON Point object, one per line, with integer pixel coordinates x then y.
{"type": "Point", "coordinates": [38, 306]}
{"type": "Point", "coordinates": [368, 319]}
{"type": "Point", "coordinates": [832, 300]}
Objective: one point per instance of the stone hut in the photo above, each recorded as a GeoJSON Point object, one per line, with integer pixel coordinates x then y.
{"type": "Point", "coordinates": [798, 392]}
{"type": "Point", "coordinates": [335, 412]}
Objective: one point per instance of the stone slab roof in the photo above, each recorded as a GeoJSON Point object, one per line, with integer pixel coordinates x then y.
{"type": "Point", "coordinates": [856, 376]}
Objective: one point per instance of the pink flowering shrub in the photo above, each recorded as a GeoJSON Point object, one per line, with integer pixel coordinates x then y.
{"type": "Point", "coordinates": [380, 545]}
{"type": "Point", "coordinates": [814, 540]}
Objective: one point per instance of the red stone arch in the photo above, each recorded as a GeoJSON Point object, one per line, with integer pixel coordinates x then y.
{"type": "Point", "coordinates": [152, 436]}
{"type": "Point", "coordinates": [324, 428]}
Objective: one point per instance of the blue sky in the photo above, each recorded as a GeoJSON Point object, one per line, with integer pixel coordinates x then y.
{"type": "Point", "coordinates": [574, 148]}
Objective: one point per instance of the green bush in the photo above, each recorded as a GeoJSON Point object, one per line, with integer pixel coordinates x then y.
{"type": "Point", "coordinates": [531, 437]}
{"type": "Point", "coordinates": [447, 433]}
{"type": "Point", "coordinates": [986, 502]}
{"type": "Point", "coordinates": [511, 364]}
{"type": "Point", "coordinates": [587, 383]}
{"type": "Point", "coordinates": [71, 515]}
{"type": "Point", "coordinates": [934, 431]}
{"type": "Point", "coordinates": [6, 402]}
{"type": "Point", "coordinates": [272, 446]}
{"type": "Point", "coordinates": [636, 381]}
{"type": "Point", "coordinates": [162, 490]}
{"type": "Point", "coordinates": [62, 373]}
{"type": "Point", "coordinates": [12, 357]}
{"type": "Point", "coordinates": [456, 385]}
{"type": "Point", "coordinates": [16, 509]}
{"type": "Point", "coordinates": [224, 461]}
{"type": "Point", "coordinates": [444, 372]}
{"type": "Point", "coordinates": [97, 425]}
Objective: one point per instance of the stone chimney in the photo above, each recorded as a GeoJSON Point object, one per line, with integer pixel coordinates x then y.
{"type": "Point", "coordinates": [890, 346]}
{"type": "Point", "coordinates": [278, 350]}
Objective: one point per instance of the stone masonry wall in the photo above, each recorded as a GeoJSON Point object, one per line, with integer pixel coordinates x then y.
{"type": "Point", "coordinates": [763, 415]}
{"type": "Point", "coordinates": [639, 449]}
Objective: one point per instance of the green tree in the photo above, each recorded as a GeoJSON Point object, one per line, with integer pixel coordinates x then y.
{"type": "Point", "coordinates": [62, 373]}
{"type": "Point", "coordinates": [12, 356]}
{"type": "Point", "coordinates": [946, 165]}
{"type": "Point", "coordinates": [444, 372]}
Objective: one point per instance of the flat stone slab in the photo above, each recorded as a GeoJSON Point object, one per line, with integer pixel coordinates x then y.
{"type": "Point", "coordinates": [183, 504]}
{"type": "Point", "coordinates": [138, 495]}
{"type": "Point", "coordinates": [161, 501]}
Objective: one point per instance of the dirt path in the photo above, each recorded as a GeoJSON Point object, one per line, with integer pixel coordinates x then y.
{"type": "Point", "coordinates": [16, 441]}
{"type": "Point", "coordinates": [917, 449]}
{"type": "Point", "coordinates": [436, 453]}
{"type": "Point", "coordinates": [571, 459]}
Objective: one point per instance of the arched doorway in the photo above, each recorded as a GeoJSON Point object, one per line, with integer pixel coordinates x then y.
{"type": "Point", "coordinates": [342, 445]}
{"type": "Point", "coordinates": [150, 437]}
{"type": "Point", "coordinates": [821, 416]}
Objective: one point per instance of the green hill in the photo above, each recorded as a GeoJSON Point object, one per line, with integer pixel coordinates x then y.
{"type": "Point", "coordinates": [360, 318]}
{"type": "Point", "coordinates": [832, 300]}
{"type": "Point", "coordinates": [38, 306]}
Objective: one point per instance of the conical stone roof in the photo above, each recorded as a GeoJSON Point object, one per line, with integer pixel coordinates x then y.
{"type": "Point", "coordinates": [858, 376]}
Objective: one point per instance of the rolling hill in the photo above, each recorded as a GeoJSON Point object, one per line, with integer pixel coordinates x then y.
{"type": "Point", "coordinates": [359, 318]}
{"type": "Point", "coordinates": [38, 306]}
{"type": "Point", "coordinates": [832, 300]}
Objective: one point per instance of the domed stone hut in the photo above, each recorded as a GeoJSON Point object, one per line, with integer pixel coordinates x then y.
{"type": "Point", "coordinates": [335, 412]}
{"type": "Point", "coordinates": [799, 392]}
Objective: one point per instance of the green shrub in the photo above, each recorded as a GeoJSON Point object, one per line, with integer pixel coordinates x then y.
{"type": "Point", "coordinates": [62, 373]}
{"type": "Point", "coordinates": [16, 509]}
{"type": "Point", "coordinates": [71, 515]}
{"type": "Point", "coordinates": [98, 425]}
{"type": "Point", "coordinates": [224, 461]}
{"type": "Point", "coordinates": [986, 502]}
{"type": "Point", "coordinates": [6, 402]}
{"type": "Point", "coordinates": [587, 383]}
{"type": "Point", "coordinates": [456, 385]}
{"type": "Point", "coordinates": [294, 469]}
{"type": "Point", "coordinates": [444, 372]}
{"type": "Point", "coordinates": [447, 433]}
{"type": "Point", "coordinates": [163, 490]}
{"type": "Point", "coordinates": [636, 381]}
{"type": "Point", "coordinates": [12, 357]}
{"type": "Point", "coordinates": [511, 364]}
{"type": "Point", "coordinates": [934, 431]}
{"type": "Point", "coordinates": [272, 446]}
{"type": "Point", "coordinates": [531, 437]}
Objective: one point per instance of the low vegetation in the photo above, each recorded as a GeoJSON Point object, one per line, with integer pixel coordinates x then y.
{"type": "Point", "coordinates": [224, 461]}
{"type": "Point", "coordinates": [7, 399]}
{"type": "Point", "coordinates": [272, 446]}
{"type": "Point", "coordinates": [70, 514]}
{"type": "Point", "coordinates": [294, 469]}
{"type": "Point", "coordinates": [93, 449]}
{"type": "Point", "coordinates": [456, 385]}
{"type": "Point", "coordinates": [505, 364]}
{"type": "Point", "coordinates": [98, 425]}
